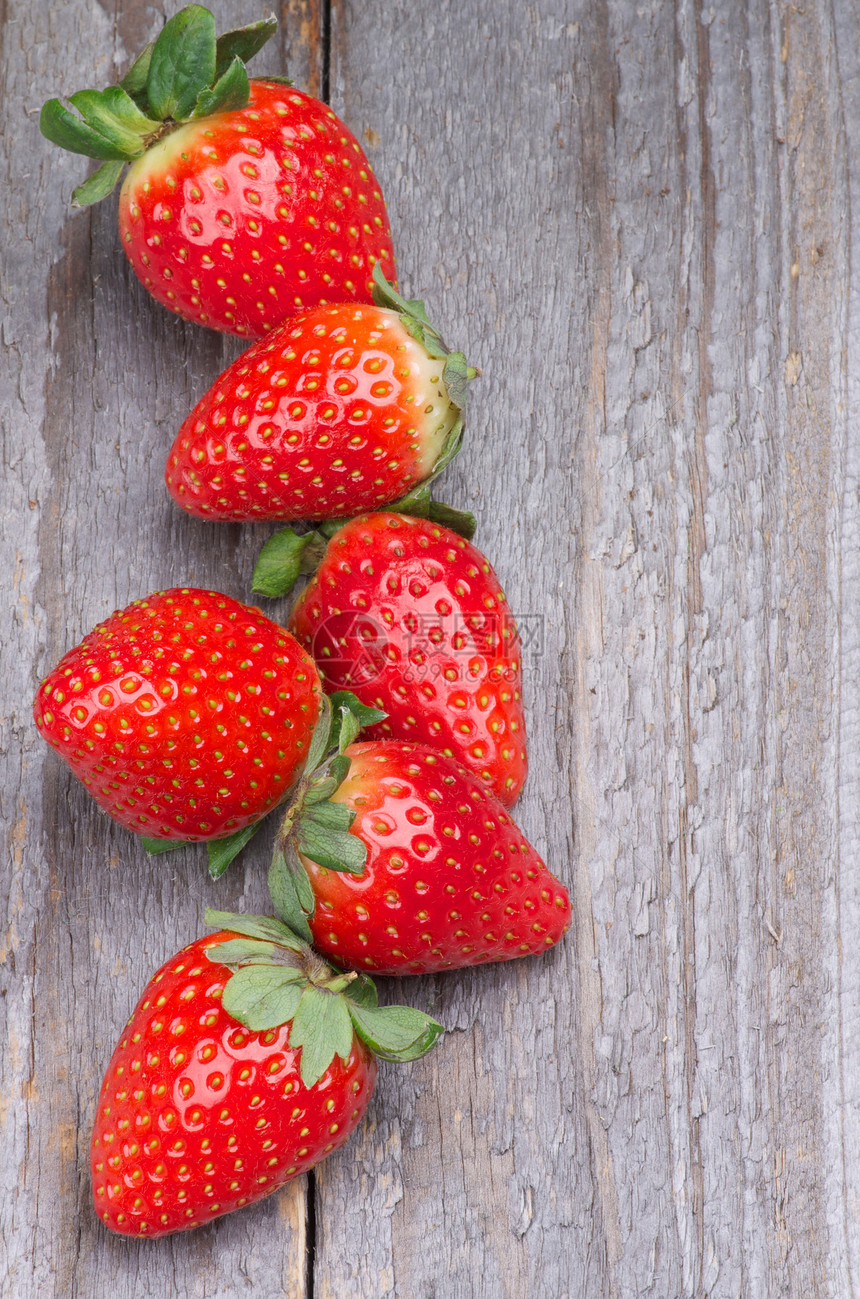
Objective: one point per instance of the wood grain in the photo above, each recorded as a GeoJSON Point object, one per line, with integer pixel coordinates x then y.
{"type": "Point", "coordinates": [98, 379]}
{"type": "Point", "coordinates": [637, 219]}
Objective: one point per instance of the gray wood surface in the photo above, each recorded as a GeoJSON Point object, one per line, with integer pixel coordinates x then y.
{"type": "Point", "coordinates": [638, 220]}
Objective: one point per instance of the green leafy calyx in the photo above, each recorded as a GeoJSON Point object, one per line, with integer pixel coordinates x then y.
{"type": "Point", "coordinates": [278, 979]}
{"type": "Point", "coordinates": [288, 554]}
{"type": "Point", "coordinates": [187, 73]}
{"type": "Point", "coordinates": [314, 826]}
{"type": "Point", "coordinates": [284, 556]}
{"type": "Point", "coordinates": [456, 371]}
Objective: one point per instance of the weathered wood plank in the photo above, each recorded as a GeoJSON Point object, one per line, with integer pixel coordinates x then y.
{"type": "Point", "coordinates": [838, 1014]}
{"type": "Point", "coordinates": [638, 215]}
{"type": "Point", "coordinates": [97, 380]}
{"type": "Point", "coordinates": [492, 1171]}
{"type": "Point", "coordinates": [638, 220]}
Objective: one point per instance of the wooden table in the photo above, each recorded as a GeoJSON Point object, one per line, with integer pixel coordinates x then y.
{"type": "Point", "coordinates": [637, 219]}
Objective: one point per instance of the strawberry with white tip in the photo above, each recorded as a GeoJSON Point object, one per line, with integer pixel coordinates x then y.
{"type": "Point", "coordinates": [339, 410]}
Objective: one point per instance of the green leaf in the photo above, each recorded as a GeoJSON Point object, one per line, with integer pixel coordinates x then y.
{"type": "Point", "coordinates": [321, 738]}
{"type": "Point", "coordinates": [425, 335]}
{"type": "Point", "coordinates": [330, 816]}
{"type": "Point", "coordinates": [385, 295]}
{"type": "Point", "coordinates": [415, 503]}
{"type": "Point", "coordinates": [59, 125]}
{"type": "Point", "coordinates": [230, 92]}
{"type": "Point", "coordinates": [413, 316]}
{"type": "Point", "coordinates": [134, 81]}
{"type": "Point", "coordinates": [338, 982]}
{"type": "Point", "coordinates": [96, 111]}
{"type": "Point", "coordinates": [243, 42]}
{"type": "Point", "coordinates": [419, 505]}
{"type": "Point", "coordinates": [222, 851]}
{"type": "Point", "coordinates": [239, 951]}
{"type": "Point", "coordinates": [114, 114]}
{"type": "Point", "coordinates": [265, 928]}
{"type": "Point", "coordinates": [262, 996]}
{"type": "Point", "coordinates": [459, 521]}
{"type": "Point", "coordinates": [456, 377]}
{"type": "Point", "coordinates": [155, 846]}
{"type": "Point", "coordinates": [398, 1033]}
{"type": "Point", "coordinates": [345, 702]}
{"type": "Point", "coordinates": [283, 558]}
{"type": "Point", "coordinates": [336, 850]}
{"type": "Point", "coordinates": [291, 892]}
{"type": "Point", "coordinates": [450, 447]}
{"type": "Point", "coordinates": [362, 991]}
{"type": "Point", "coordinates": [338, 768]}
{"type": "Point", "coordinates": [329, 527]}
{"type": "Point", "coordinates": [319, 791]}
{"type": "Point", "coordinates": [323, 1029]}
{"type": "Point", "coordinates": [304, 889]}
{"type": "Point", "coordinates": [182, 64]}
{"type": "Point", "coordinates": [348, 729]}
{"type": "Point", "coordinates": [332, 775]}
{"type": "Point", "coordinates": [99, 185]}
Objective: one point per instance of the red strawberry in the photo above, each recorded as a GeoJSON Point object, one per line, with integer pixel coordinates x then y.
{"type": "Point", "coordinates": [412, 619]}
{"type": "Point", "coordinates": [244, 200]}
{"type": "Point", "coordinates": [339, 410]}
{"type": "Point", "coordinates": [187, 715]}
{"type": "Point", "coordinates": [442, 877]}
{"type": "Point", "coordinates": [224, 1088]}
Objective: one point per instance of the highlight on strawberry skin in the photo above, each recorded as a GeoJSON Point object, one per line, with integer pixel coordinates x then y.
{"type": "Point", "coordinates": [247, 1060]}
{"type": "Point", "coordinates": [245, 198]}
{"type": "Point", "coordinates": [186, 715]}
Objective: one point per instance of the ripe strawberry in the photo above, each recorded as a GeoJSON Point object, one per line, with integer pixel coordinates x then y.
{"type": "Point", "coordinates": [244, 200]}
{"type": "Point", "coordinates": [224, 1088]}
{"type": "Point", "coordinates": [187, 715]}
{"type": "Point", "coordinates": [442, 877]}
{"type": "Point", "coordinates": [412, 619]}
{"type": "Point", "coordinates": [340, 409]}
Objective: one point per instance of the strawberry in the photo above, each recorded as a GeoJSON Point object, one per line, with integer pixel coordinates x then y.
{"type": "Point", "coordinates": [245, 200]}
{"type": "Point", "coordinates": [412, 619]}
{"type": "Point", "coordinates": [340, 409]}
{"type": "Point", "coordinates": [187, 715]}
{"type": "Point", "coordinates": [246, 1061]}
{"type": "Point", "coordinates": [436, 876]}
